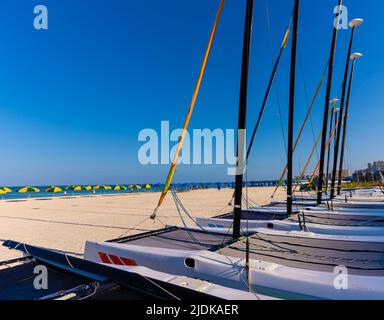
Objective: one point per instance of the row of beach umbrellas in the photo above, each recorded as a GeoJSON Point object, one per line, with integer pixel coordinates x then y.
{"type": "Point", "coordinates": [5, 190]}
{"type": "Point", "coordinates": [55, 189]}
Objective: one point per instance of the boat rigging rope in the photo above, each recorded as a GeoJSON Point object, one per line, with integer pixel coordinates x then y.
{"type": "Point", "coordinates": [190, 111]}
{"type": "Point", "coordinates": [160, 287]}
{"type": "Point", "coordinates": [248, 283]}
{"type": "Point", "coordinates": [179, 205]}
{"type": "Point", "coordinates": [257, 206]}
{"type": "Point", "coordinates": [271, 81]}
{"type": "Point", "coordinates": [303, 126]}
{"type": "Point", "coordinates": [248, 200]}
{"type": "Point", "coordinates": [66, 258]}
{"type": "Point", "coordinates": [275, 86]}
{"type": "Point", "coordinates": [326, 147]}
{"type": "Point", "coordinates": [278, 247]}
{"type": "Point", "coordinates": [311, 154]}
{"type": "Point", "coordinates": [193, 238]}
{"type": "Point", "coordinates": [306, 95]}
{"type": "Point", "coordinates": [133, 228]}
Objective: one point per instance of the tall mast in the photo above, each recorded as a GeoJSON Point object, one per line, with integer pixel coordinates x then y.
{"type": "Point", "coordinates": [353, 24]}
{"type": "Point", "coordinates": [242, 118]}
{"type": "Point", "coordinates": [354, 57]}
{"type": "Point", "coordinates": [329, 149]}
{"type": "Point", "coordinates": [292, 106]}
{"type": "Point", "coordinates": [326, 108]}
{"type": "Point", "coordinates": [338, 135]}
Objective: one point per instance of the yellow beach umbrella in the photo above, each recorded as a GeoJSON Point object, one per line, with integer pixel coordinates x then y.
{"type": "Point", "coordinates": [28, 190]}
{"type": "Point", "coordinates": [119, 188]}
{"type": "Point", "coordinates": [77, 188]}
{"type": "Point", "coordinates": [88, 188]}
{"type": "Point", "coordinates": [102, 188]}
{"type": "Point", "coordinates": [2, 191]}
{"type": "Point", "coordinates": [147, 186]}
{"type": "Point", "coordinates": [134, 186]}
{"type": "Point", "coordinates": [54, 189]}
{"type": "Point", "coordinates": [6, 189]}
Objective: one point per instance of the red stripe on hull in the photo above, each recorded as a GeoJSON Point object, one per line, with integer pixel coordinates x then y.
{"type": "Point", "coordinates": [129, 262]}
{"type": "Point", "coordinates": [104, 257]}
{"type": "Point", "coordinates": [116, 260]}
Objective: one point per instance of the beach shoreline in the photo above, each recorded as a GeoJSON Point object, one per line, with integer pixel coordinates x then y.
{"type": "Point", "coordinates": [66, 223]}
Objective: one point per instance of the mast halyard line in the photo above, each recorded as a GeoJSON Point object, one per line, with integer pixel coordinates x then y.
{"type": "Point", "coordinates": [302, 129]}
{"type": "Point", "coordinates": [328, 145]}
{"type": "Point", "coordinates": [190, 111]}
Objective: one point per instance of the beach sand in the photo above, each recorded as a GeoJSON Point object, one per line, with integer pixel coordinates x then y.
{"type": "Point", "coordinates": [64, 224]}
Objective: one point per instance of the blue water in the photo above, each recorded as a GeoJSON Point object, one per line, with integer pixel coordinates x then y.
{"type": "Point", "coordinates": [14, 195]}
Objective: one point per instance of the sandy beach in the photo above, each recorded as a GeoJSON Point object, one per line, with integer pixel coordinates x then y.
{"type": "Point", "coordinates": [65, 224]}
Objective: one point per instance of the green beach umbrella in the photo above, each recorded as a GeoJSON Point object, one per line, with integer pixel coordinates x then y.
{"type": "Point", "coordinates": [77, 188]}
{"type": "Point", "coordinates": [102, 188]}
{"type": "Point", "coordinates": [119, 188]}
{"type": "Point", "coordinates": [28, 190]}
{"type": "Point", "coordinates": [54, 189]}
{"type": "Point", "coordinates": [134, 186]}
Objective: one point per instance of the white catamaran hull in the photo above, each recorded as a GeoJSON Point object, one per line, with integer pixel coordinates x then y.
{"type": "Point", "coordinates": [211, 289]}
{"type": "Point", "coordinates": [348, 211]}
{"type": "Point", "coordinates": [336, 211]}
{"type": "Point", "coordinates": [264, 278]}
{"type": "Point", "coordinates": [334, 204]}
{"type": "Point", "coordinates": [327, 231]}
{"type": "Point", "coordinates": [361, 198]}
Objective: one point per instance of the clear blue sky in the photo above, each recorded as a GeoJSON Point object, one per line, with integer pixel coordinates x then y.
{"type": "Point", "coordinates": [73, 98]}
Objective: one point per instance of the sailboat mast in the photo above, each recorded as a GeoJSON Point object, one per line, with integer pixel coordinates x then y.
{"type": "Point", "coordinates": [242, 118]}
{"type": "Point", "coordinates": [348, 101]}
{"type": "Point", "coordinates": [292, 106]}
{"type": "Point", "coordinates": [354, 24]}
{"type": "Point", "coordinates": [338, 136]}
{"type": "Point", "coordinates": [326, 108]}
{"type": "Point", "coordinates": [329, 149]}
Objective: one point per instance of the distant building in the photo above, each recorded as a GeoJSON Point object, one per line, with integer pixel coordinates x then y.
{"type": "Point", "coordinates": [374, 172]}
{"type": "Point", "coordinates": [344, 174]}
{"type": "Point", "coordinates": [375, 167]}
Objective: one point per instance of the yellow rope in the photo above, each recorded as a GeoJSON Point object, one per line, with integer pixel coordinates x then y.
{"type": "Point", "coordinates": [311, 155]}
{"type": "Point", "coordinates": [314, 147]}
{"type": "Point", "coordinates": [189, 114]}
{"type": "Point", "coordinates": [327, 147]}
{"type": "Point", "coordinates": [301, 131]}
